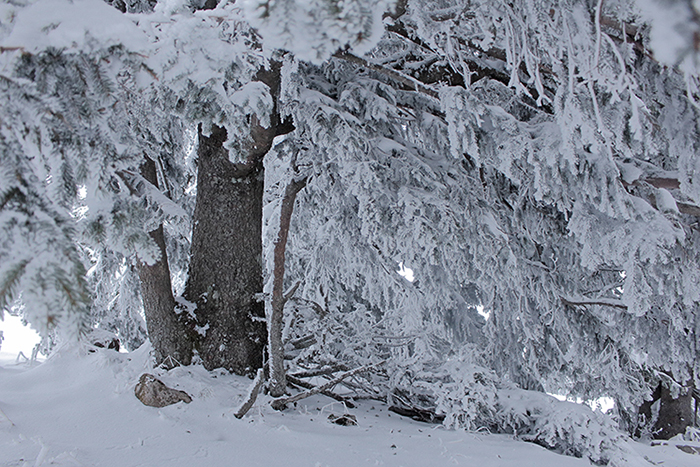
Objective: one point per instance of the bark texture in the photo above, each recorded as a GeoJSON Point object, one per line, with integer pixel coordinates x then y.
{"type": "Point", "coordinates": [168, 335]}
{"type": "Point", "coordinates": [226, 259]}
{"type": "Point", "coordinates": [674, 415]}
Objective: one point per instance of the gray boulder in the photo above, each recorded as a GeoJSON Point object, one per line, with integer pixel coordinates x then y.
{"type": "Point", "coordinates": [154, 393]}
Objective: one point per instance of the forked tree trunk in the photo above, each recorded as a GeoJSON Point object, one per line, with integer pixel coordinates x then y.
{"type": "Point", "coordinates": [225, 272]}
{"type": "Point", "coordinates": [166, 331]}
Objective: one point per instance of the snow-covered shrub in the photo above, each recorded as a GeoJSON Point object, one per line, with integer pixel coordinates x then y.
{"type": "Point", "coordinates": [692, 434]}
{"type": "Point", "coordinates": [572, 429]}
{"type": "Point", "coordinates": [469, 400]}
{"type": "Point", "coordinates": [474, 398]}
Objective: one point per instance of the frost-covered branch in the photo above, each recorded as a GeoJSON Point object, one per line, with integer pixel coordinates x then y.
{"type": "Point", "coordinates": [599, 301]}
{"type": "Point", "coordinates": [407, 81]}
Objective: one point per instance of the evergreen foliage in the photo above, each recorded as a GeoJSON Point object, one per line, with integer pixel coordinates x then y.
{"type": "Point", "coordinates": [533, 162]}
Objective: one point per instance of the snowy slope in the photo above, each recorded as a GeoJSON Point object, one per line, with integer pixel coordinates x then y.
{"type": "Point", "coordinates": [78, 408]}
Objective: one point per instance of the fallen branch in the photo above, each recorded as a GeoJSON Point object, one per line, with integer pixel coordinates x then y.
{"type": "Point", "coordinates": [323, 371]}
{"type": "Point", "coordinates": [252, 394]}
{"type": "Point", "coordinates": [303, 384]}
{"type": "Point", "coordinates": [418, 414]}
{"type": "Point", "coordinates": [281, 403]}
{"type": "Point", "coordinates": [402, 406]}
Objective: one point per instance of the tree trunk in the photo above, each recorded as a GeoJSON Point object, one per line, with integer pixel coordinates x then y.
{"type": "Point", "coordinates": [225, 272]}
{"type": "Point", "coordinates": [278, 380]}
{"type": "Point", "coordinates": [167, 333]}
{"type": "Point", "coordinates": [674, 415]}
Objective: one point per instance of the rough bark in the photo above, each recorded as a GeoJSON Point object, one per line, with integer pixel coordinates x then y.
{"type": "Point", "coordinates": [278, 382]}
{"type": "Point", "coordinates": [674, 415]}
{"type": "Point", "coordinates": [167, 333]}
{"type": "Point", "coordinates": [225, 272]}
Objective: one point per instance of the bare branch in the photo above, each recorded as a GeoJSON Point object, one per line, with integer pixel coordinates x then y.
{"type": "Point", "coordinates": [666, 183]}
{"type": "Point", "coordinates": [326, 370]}
{"type": "Point", "coordinates": [303, 384]}
{"type": "Point", "coordinates": [281, 403]}
{"type": "Point", "coordinates": [290, 292]}
{"type": "Point", "coordinates": [252, 395]}
{"type": "Point", "coordinates": [313, 305]}
{"type": "Point", "coordinates": [304, 342]}
{"type": "Point", "coordinates": [689, 209]}
{"type": "Point", "coordinates": [599, 301]}
{"type": "Point", "coordinates": [660, 182]}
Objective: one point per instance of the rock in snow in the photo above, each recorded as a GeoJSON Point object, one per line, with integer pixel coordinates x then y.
{"type": "Point", "coordinates": [103, 339]}
{"type": "Point", "coordinates": [154, 393]}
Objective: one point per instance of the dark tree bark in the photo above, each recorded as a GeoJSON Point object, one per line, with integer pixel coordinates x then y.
{"type": "Point", "coordinates": [225, 271]}
{"type": "Point", "coordinates": [166, 331]}
{"type": "Point", "coordinates": [675, 415]}
{"type": "Point", "coordinates": [225, 274]}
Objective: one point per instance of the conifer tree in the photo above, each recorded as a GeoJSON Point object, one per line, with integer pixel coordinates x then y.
{"type": "Point", "coordinates": [533, 162]}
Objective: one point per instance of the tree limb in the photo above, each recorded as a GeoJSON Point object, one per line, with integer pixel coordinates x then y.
{"type": "Point", "coordinates": [303, 384]}
{"type": "Point", "coordinates": [290, 292]}
{"type": "Point", "coordinates": [303, 343]}
{"type": "Point", "coordinates": [666, 183]}
{"type": "Point", "coordinates": [600, 301]}
{"type": "Point", "coordinates": [281, 403]}
{"type": "Point", "coordinates": [408, 82]}
{"type": "Point", "coordinates": [252, 395]}
{"type": "Point", "coordinates": [323, 371]}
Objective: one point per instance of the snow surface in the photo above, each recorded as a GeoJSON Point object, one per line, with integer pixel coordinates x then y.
{"type": "Point", "coordinates": [72, 25]}
{"type": "Point", "coordinates": [79, 409]}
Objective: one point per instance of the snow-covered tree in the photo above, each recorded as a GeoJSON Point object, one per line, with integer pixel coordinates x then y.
{"type": "Point", "coordinates": [533, 162]}
{"type": "Point", "coordinates": [533, 159]}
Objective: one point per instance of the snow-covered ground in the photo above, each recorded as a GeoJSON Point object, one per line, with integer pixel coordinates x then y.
{"type": "Point", "coordinates": [79, 409]}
